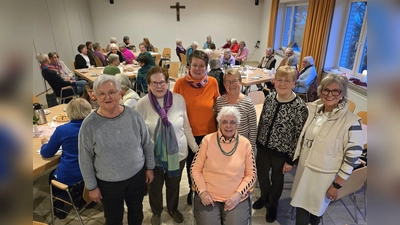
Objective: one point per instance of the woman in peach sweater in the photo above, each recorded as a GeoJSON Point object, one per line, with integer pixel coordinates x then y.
{"type": "Point", "coordinates": [200, 92]}
{"type": "Point", "coordinates": [221, 193]}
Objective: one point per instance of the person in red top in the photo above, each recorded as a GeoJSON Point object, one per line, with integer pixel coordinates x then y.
{"type": "Point", "coordinates": [200, 92]}
{"type": "Point", "coordinates": [234, 46]}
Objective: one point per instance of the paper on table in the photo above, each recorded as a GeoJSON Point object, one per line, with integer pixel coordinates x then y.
{"type": "Point", "coordinates": [45, 131]}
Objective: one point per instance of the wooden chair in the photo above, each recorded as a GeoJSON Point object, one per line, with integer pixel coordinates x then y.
{"type": "Point", "coordinates": [166, 53]}
{"type": "Point", "coordinates": [73, 65]}
{"type": "Point", "coordinates": [363, 116]}
{"type": "Point", "coordinates": [352, 105]}
{"type": "Point", "coordinates": [62, 99]}
{"type": "Point", "coordinates": [183, 62]}
{"type": "Point", "coordinates": [34, 99]}
{"type": "Point", "coordinates": [38, 223]}
{"type": "Point", "coordinates": [157, 60]}
{"type": "Point", "coordinates": [155, 49]}
{"type": "Point", "coordinates": [257, 97]}
{"type": "Point", "coordinates": [173, 71]}
{"type": "Point", "coordinates": [98, 61]}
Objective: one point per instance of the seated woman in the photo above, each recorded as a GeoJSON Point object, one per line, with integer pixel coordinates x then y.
{"type": "Point", "coordinates": [129, 97]}
{"type": "Point", "coordinates": [217, 73]}
{"type": "Point", "coordinates": [128, 55]}
{"type": "Point", "coordinates": [227, 44]}
{"type": "Point", "coordinates": [208, 42]}
{"type": "Point", "coordinates": [234, 46]}
{"type": "Point", "coordinates": [89, 46]}
{"type": "Point", "coordinates": [292, 61]}
{"type": "Point", "coordinates": [267, 62]}
{"type": "Point", "coordinates": [307, 75]}
{"type": "Point", "coordinates": [113, 62]}
{"type": "Point", "coordinates": [115, 50]}
{"type": "Point", "coordinates": [227, 58]}
{"type": "Point", "coordinates": [49, 73]}
{"type": "Point", "coordinates": [215, 53]}
{"type": "Point", "coordinates": [221, 194]}
{"type": "Point", "coordinates": [149, 46]}
{"type": "Point", "coordinates": [242, 53]}
{"type": "Point", "coordinates": [66, 136]}
{"type": "Point", "coordinates": [62, 69]}
{"type": "Point", "coordinates": [97, 52]}
{"type": "Point", "coordinates": [142, 72]}
{"type": "Point", "coordinates": [113, 40]}
{"type": "Point", "coordinates": [191, 49]}
{"type": "Point", "coordinates": [179, 49]}
{"type": "Point", "coordinates": [82, 60]}
{"type": "Point", "coordinates": [143, 51]}
{"type": "Point", "coordinates": [89, 96]}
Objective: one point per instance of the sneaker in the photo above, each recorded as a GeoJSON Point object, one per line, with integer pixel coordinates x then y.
{"type": "Point", "coordinates": [155, 220]}
{"type": "Point", "coordinates": [189, 197]}
{"type": "Point", "coordinates": [177, 216]}
{"type": "Point", "coordinates": [259, 204]}
{"type": "Point", "coordinates": [271, 215]}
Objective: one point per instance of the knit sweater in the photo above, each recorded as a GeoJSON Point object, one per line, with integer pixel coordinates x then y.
{"type": "Point", "coordinates": [199, 105]}
{"type": "Point", "coordinates": [148, 55]}
{"type": "Point", "coordinates": [280, 126]}
{"type": "Point", "coordinates": [114, 149]}
{"type": "Point", "coordinates": [223, 175]}
{"type": "Point", "coordinates": [111, 70]}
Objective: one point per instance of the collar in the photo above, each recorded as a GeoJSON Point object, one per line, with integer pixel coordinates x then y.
{"type": "Point", "coordinates": [224, 140]}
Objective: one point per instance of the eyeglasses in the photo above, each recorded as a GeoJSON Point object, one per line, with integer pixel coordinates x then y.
{"type": "Point", "coordinates": [231, 82]}
{"type": "Point", "coordinates": [334, 92]}
{"type": "Point", "coordinates": [161, 83]}
{"type": "Point", "coordinates": [226, 122]}
{"type": "Point", "coordinates": [199, 67]}
{"type": "Point", "coordinates": [281, 81]}
{"type": "Point", "coordinates": [111, 94]}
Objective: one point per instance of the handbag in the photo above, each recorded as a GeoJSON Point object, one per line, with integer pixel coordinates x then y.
{"type": "Point", "coordinates": [50, 98]}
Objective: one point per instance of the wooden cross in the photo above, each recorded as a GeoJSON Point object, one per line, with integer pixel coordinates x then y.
{"type": "Point", "coordinates": [177, 7]}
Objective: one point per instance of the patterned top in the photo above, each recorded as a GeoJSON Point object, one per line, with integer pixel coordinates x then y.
{"type": "Point", "coordinates": [280, 126]}
{"type": "Point", "coordinates": [248, 117]}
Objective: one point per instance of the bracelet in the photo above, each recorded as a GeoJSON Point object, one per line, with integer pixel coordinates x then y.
{"type": "Point", "coordinates": [336, 185]}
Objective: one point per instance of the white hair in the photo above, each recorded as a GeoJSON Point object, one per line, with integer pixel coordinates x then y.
{"type": "Point", "coordinates": [113, 40]}
{"type": "Point", "coordinates": [103, 79]}
{"type": "Point", "coordinates": [42, 58]}
{"type": "Point", "coordinates": [208, 51]}
{"type": "Point", "coordinates": [309, 59]}
{"type": "Point", "coordinates": [229, 111]}
{"type": "Point", "coordinates": [124, 81]}
{"type": "Point", "coordinates": [178, 40]}
{"type": "Point", "coordinates": [113, 46]}
{"type": "Point", "coordinates": [233, 40]}
{"type": "Point", "coordinates": [195, 43]}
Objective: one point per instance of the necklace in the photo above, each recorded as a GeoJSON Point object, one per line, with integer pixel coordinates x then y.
{"type": "Point", "coordinates": [118, 130]}
{"type": "Point", "coordinates": [234, 147]}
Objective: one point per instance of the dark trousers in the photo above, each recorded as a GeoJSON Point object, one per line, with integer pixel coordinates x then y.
{"type": "Point", "coordinates": [303, 217]}
{"type": "Point", "coordinates": [189, 159]}
{"type": "Point", "coordinates": [271, 188]}
{"type": "Point", "coordinates": [172, 185]}
{"type": "Point", "coordinates": [115, 193]}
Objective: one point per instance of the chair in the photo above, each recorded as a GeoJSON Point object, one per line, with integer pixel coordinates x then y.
{"type": "Point", "coordinates": [313, 85]}
{"type": "Point", "coordinates": [257, 97]}
{"type": "Point", "coordinates": [62, 99]}
{"type": "Point", "coordinates": [139, 89]}
{"type": "Point", "coordinates": [183, 62]}
{"type": "Point", "coordinates": [69, 199]}
{"type": "Point", "coordinates": [157, 60]}
{"type": "Point", "coordinates": [166, 53]}
{"type": "Point", "coordinates": [155, 49]}
{"type": "Point", "coordinates": [98, 61]}
{"type": "Point", "coordinates": [363, 116]}
{"type": "Point", "coordinates": [352, 105]}
{"type": "Point", "coordinates": [34, 99]}
{"type": "Point", "coordinates": [38, 223]}
{"type": "Point", "coordinates": [173, 71]}
{"type": "Point", "coordinates": [73, 65]}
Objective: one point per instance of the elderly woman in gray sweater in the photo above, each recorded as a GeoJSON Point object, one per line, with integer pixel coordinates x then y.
{"type": "Point", "coordinates": [116, 155]}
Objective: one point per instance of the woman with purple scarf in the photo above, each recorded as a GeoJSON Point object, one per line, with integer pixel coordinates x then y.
{"type": "Point", "coordinates": [165, 115]}
{"type": "Point", "coordinates": [179, 49]}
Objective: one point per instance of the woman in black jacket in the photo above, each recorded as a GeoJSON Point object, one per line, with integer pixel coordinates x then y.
{"type": "Point", "coordinates": [82, 59]}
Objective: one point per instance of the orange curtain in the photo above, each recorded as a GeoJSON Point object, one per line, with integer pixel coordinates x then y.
{"type": "Point", "coordinates": [316, 32]}
{"type": "Point", "coordinates": [272, 23]}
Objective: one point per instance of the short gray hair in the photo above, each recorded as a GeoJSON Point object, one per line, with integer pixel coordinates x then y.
{"type": "Point", "coordinates": [96, 45]}
{"type": "Point", "coordinates": [209, 36]}
{"type": "Point", "coordinates": [215, 63]}
{"type": "Point", "coordinates": [332, 79]}
{"type": "Point", "coordinates": [113, 46]}
{"type": "Point", "coordinates": [208, 51]}
{"type": "Point", "coordinates": [228, 39]}
{"type": "Point", "coordinates": [112, 57]}
{"type": "Point", "coordinates": [78, 109]}
{"type": "Point", "coordinates": [195, 43]}
{"type": "Point", "coordinates": [121, 45]}
{"type": "Point", "coordinates": [104, 79]}
{"type": "Point", "coordinates": [178, 41]}
{"type": "Point", "coordinates": [228, 50]}
{"type": "Point", "coordinates": [292, 61]}
{"type": "Point", "coordinates": [113, 40]}
{"type": "Point", "coordinates": [309, 59]}
{"type": "Point", "coordinates": [124, 81]}
{"type": "Point", "coordinates": [233, 40]}
{"type": "Point", "coordinates": [229, 111]}
{"type": "Point", "coordinates": [42, 58]}
{"type": "Point", "coordinates": [289, 49]}
{"type": "Point", "coordinates": [270, 50]}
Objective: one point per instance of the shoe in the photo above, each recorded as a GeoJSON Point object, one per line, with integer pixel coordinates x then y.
{"type": "Point", "coordinates": [259, 204]}
{"type": "Point", "coordinates": [189, 197]}
{"type": "Point", "coordinates": [59, 214]}
{"type": "Point", "coordinates": [271, 215]}
{"type": "Point", "coordinates": [155, 220]}
{"type": "Point", "coordinates": [177, 216]}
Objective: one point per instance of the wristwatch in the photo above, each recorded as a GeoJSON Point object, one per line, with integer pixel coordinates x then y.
{"type": "Point", "coordinates": [336, 185]}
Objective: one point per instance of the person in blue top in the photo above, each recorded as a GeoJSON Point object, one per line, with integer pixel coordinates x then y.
{"type": "Point", "coordinates": [307, 75]}
{"type": "Point", "coordinates": [142, 72]}
{"type": "Point", "coordinates": [66, 136]}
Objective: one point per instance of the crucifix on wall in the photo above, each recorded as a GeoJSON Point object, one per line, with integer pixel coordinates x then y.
{"type": "Point", "coordinates": [177, 7]}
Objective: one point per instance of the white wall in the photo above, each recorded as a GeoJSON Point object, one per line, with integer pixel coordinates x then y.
{"type": "Point", "coordinates": [59, 25]}
{"type": "Point", "coordinates": [155, 20]}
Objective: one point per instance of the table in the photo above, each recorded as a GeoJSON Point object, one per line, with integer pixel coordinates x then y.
{"type": "Point", "coordinates": [39, 163]}
{"type": "Point", "coordinates": [247, 82]}
{"type": "Point", "coordinates": [154, 54]}
{"type": "Point", "coordinates": [99, 71]}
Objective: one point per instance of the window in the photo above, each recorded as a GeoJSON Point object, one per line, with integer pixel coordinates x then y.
{"type": "Point", "coordinates": [293, 27]}
{"type": "Point", "coordinates": [353, 57]}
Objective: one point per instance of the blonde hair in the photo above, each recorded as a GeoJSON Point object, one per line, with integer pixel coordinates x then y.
{"type": "Point", "coordinates": [233, 72]}
{"type": "Point", "coordinates": [286, 71]}
{"type": "Point", "coordinates": [78, 109]}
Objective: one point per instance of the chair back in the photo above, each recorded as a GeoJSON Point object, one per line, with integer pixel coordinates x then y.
{"type": "Point", "coordinates": [257, 97]}
{"type": "Point", "coordinates": [158, 58]}
{"type": "Point", "coordinates": [354, 183]}
{"type": "Point", "coordinates": [103, 50]}
{"type": "Point", "coordinates": [312, 90]}
{"type": "Point", "coordinates": [183, 59]}
{"type": "Point", "coordinates": [98, 61]}
{"type": "Point", "coordinates": [364, 117]}
{"type": "Point", "coordinates": [166, 53]}
{"type": "Point", "coordinates": [173, 71]}
{"type": "Point", "coordinates": [73, 65]}
{"type": "Point", "coordinates": [352, 105]}
{"type": "Point", "coordinates": [155, 49]}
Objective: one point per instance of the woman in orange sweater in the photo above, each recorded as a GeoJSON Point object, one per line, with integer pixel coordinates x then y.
{"type": "Point", "coordinates": [221, 193]}
{"type": "Point", "coordinates": [200, 92]}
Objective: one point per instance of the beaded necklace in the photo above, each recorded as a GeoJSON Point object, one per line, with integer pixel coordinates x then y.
{"type": "Point", "coordinates": [234, 147]}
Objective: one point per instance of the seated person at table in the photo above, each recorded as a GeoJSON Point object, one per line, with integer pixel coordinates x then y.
{"type": "Point", "coordinates": [142, 72]}
{"type": "Point", "coordinates": [89, 46]}
{"type": "Point", "coordinates": [288, 53]}
{"type": "Point", "coordinates": [218, 74]}
{"type": "Point", "coordinates": [62, 69]}
{"type": "Point", "coordinates": [242, 53]}
{"type": "Point", "coordinates": [55, 81]}
{"type": "Point", "coordinates": [82, 60]}
{"type": "Point", "coordinates": [128, 55]}
{"type": "Point", "coordinates": [115, 50]}
{"type": "Point", "coordinates": [227, 58]}
{"type": "Point", "coordinates": [215, 52]}
{"type": "Point", "coordinates": [128, 43]}
{"type": "Point", "coordinates": [267, 62]}
{"type": "Point", "coordinates": [89, 96]}
{"type": "Point", "coordinates": [292, 62]}
{"type": "Point", "coordinates": [113, 40]}
{"type": "Point", "coordinates": [307, 75]}
{"type": "Point", "coordinates": [97, 52]}
{"type": "Point", "coordinates": [129, 97]}
{"type": "Point", "coordinates": [143, 51]}
{"type": "Point", "coordinates": [234, 46]}
{"type": "Point", "coordinates": [179, 49]}
{"type": "Point", "coordinates": [112, 68]}
{"type": "Point", "coordinates": [227, 44]}
{"type": "Point", "coordinates": [149, 46]}
{"type": "Point", "coordinates": [66, 137]}
{"type": "Point", "coordinates": [208, 42]}
{"type": "Point", "coordinates": [191, 49]}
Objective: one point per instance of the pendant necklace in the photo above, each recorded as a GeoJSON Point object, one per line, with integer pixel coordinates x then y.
{"type": "Point", "coordinates": [118, 130]}
{"type": "Point", "coordinates": [234, 148]}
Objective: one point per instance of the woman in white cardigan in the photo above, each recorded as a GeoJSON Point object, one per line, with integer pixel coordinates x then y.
{"type": "Point", "coordinates": [165, 115]}
{"type": "Point", "coordinates": [129, 96]}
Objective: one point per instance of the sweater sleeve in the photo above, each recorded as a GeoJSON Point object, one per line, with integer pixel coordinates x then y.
{"type": "Point", "coordinates": [353, 147]}
{"type": "Point", "coordinates": [250, 174]}
{"type": "Point", "coordinates": [86, 156]}
{"type": "Point", "coordinates": [50, 149]}
{"type": "Point", "coordinates": [298, 127]}
{"type": "Point", "coordinates": [307, 77]}
{"type": "Point", "coordinates": [148, 147]}
{"type": "Point", "coordinates": [196, 170]}
{"type": "Point", "coordinates": [80, 62]}
{"type": "Point", "coordinates": [252, 121]}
